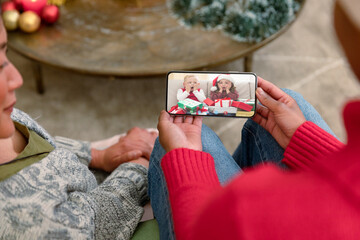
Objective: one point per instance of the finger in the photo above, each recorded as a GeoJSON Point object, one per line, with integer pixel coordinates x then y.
{"type": "Point", "coordinates": [267, 100]}
{"type": "Point", "coordinates": [271, 89]}
{"type": "Point", "coordinates": [121, 138]}
{"type": "Point", "coordinates": [128, 156]}
{"type": "Point", "coordinates": [189, 119]}
{"type": "Point", "coordinates": [263, 111]}
{"type": "Point", "coordinates": [146, 151]}
{"type": "Point", "coordinates": [179, 119]}
{"type": "Point", "coordinates": [154, 134]}
{"type": "Point", "coordinates": [164, 116]}
{"type": "Point", "coordinates": [198, 121]}
{"type": "Point", "coordinates": [260, 120]}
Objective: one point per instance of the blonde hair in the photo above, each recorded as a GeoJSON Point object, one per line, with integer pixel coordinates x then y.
{"type": "Point", "coordinates": [190, 76]}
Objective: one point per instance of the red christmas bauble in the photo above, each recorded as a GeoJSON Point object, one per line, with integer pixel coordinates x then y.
{"type": "Point", "coordinates": [50, 14]}
{"type": "Point", "coordinates": [8, 5]}
{"type": "Point", "coordinates": [18, 4]}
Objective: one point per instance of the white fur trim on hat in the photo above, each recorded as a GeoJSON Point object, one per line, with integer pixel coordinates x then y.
{"type": "Point", "coordinates": [213, 88]}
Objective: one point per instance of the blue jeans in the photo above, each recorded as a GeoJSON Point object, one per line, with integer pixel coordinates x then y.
{"type": "Point", "coordinates": [257, 146]}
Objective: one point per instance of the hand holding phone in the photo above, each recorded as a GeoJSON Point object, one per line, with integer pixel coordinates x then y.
{"type": "Point", "coordinates": [211, 94]}
{"type": "Point", "coordinates": [280, 115]}
{"type": "Point", "coordinates": [179, 132]}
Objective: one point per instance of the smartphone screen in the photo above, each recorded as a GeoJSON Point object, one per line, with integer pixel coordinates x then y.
{"type": "Point", "coordinates": [221, 94]}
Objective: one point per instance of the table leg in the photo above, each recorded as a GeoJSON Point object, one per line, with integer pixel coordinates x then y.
{"type": "Point", "coordinates": [248, 60]}
{"type": "Point", "coordinates": [39, 83]}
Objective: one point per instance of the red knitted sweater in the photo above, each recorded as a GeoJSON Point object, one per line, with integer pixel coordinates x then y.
{"type": "Point", "coordinates": [318, 199]}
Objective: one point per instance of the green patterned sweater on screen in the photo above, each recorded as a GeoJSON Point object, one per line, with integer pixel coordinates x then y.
{"type": "Point", "coordinates": [59, 197]}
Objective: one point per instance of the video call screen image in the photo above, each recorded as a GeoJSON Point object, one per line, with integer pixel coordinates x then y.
{"type": "Point", "coordinates": [211, 94]}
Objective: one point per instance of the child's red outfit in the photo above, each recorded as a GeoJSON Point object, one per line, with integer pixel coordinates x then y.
{"type": "Point", "coordinates": [197, 95]}
{"type": "Point", "coordinates": [220, 95]}
{"type": "Point", "coordinates": [318, 199]}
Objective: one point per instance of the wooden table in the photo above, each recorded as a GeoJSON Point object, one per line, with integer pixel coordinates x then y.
{"type": "Point", "coordinates": [127, 38]}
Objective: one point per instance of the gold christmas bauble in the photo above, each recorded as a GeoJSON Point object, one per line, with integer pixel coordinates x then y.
{"type": "Point", "coordinates": [56, 2]}
{"type": "Point", "coordinates": [29, 21]}
{"type": "Point", "coordinates": [11, 19]}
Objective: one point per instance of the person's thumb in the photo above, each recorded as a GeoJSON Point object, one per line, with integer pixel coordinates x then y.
{"type": "Point", "coordinates": [267, 100]}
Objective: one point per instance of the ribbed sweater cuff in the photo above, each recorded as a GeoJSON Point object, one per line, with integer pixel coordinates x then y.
{"type": "Point", "coordinates": [309, 144]}
{"type": "Point", "coordinates": [183, 166]}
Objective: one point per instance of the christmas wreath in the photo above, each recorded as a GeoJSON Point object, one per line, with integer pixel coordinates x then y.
{"type": "Point", "coordinates": [243, 20]}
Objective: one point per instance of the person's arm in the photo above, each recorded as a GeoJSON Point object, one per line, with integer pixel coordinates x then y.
{"type": "Point", "coordinates": [200, 95]}
{"type": "Point", "coordinates": [185, 163]}
{"type": "Point", "coordinates": [118, 202]}
{"type": "Point", "coordinates": [59, 198]}
{"type": "Point", "coordinates": [308, 145]}
{"type": "Point", "coordinates": [182, 95]}
{"type": "Point", "coordinates": [303, 141]}
{"type": "Point", "coordinates": [191, 179]}
{"type": "Point", "coordinates": [82, 149]}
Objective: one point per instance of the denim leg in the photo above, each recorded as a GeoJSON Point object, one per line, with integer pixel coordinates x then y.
{"type": "Point", "coordinates": [225, 167]}
{"type": "Point", "coordinates": [158, 193]}
{"type": "Point", "coordinates": [258, 146]}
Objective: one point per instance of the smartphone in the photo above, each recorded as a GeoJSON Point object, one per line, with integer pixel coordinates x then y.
{"type": "Point", "coordinates": [218, 94]}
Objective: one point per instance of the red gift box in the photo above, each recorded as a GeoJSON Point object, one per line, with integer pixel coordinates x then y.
{"type": "Point", "coordinates": [209, 102]}
{"type": "Point", "coordinates": [242, 106]}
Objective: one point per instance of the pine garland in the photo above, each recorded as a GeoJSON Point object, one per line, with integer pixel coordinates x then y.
{"type": "Point", "coordinates": [243, 20]}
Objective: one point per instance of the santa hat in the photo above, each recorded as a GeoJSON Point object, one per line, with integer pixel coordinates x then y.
{"type": "Point", "coordinates": [218, 78]}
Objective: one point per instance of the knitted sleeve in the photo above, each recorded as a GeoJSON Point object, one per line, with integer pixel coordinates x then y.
{"type": "Point", "coordinates": [191, 177]}
{"type": "Point", "coordinates": [82, 149]}
{"type": "Point", "coordinates": [308, 144]}
{"type": "Point", "coordinates": [58, 198]}
{"type": "Point", "coordinates": [118, 202]}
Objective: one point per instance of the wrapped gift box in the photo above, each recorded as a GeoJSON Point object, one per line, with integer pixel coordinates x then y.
{"type": "Point", "coordinates": [249, 102]}
{"type": "Point", "coordinates": [225, 102]}
{"type": "Point", "coordinates": [242, 106]}
{"type": "Point", "coordinates": [190, 105]}
{"type": "Point", "coordinates": [209, 102]}
{"type": "Point", "coordinates": [202, 111]}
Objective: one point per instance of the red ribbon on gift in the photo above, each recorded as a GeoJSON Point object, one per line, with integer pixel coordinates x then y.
{"type": "Point", "coordinates": [177, 109]}
{"type": "Point", "coordinates": [201, 110]}
{"type": "Point", "coordinates": [220, 100]}
{"type": "Point", "coordinates": [173, 108]}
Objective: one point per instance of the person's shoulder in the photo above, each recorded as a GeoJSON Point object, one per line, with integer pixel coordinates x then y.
{"type": "Point", "coordinates": [26, 120]}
